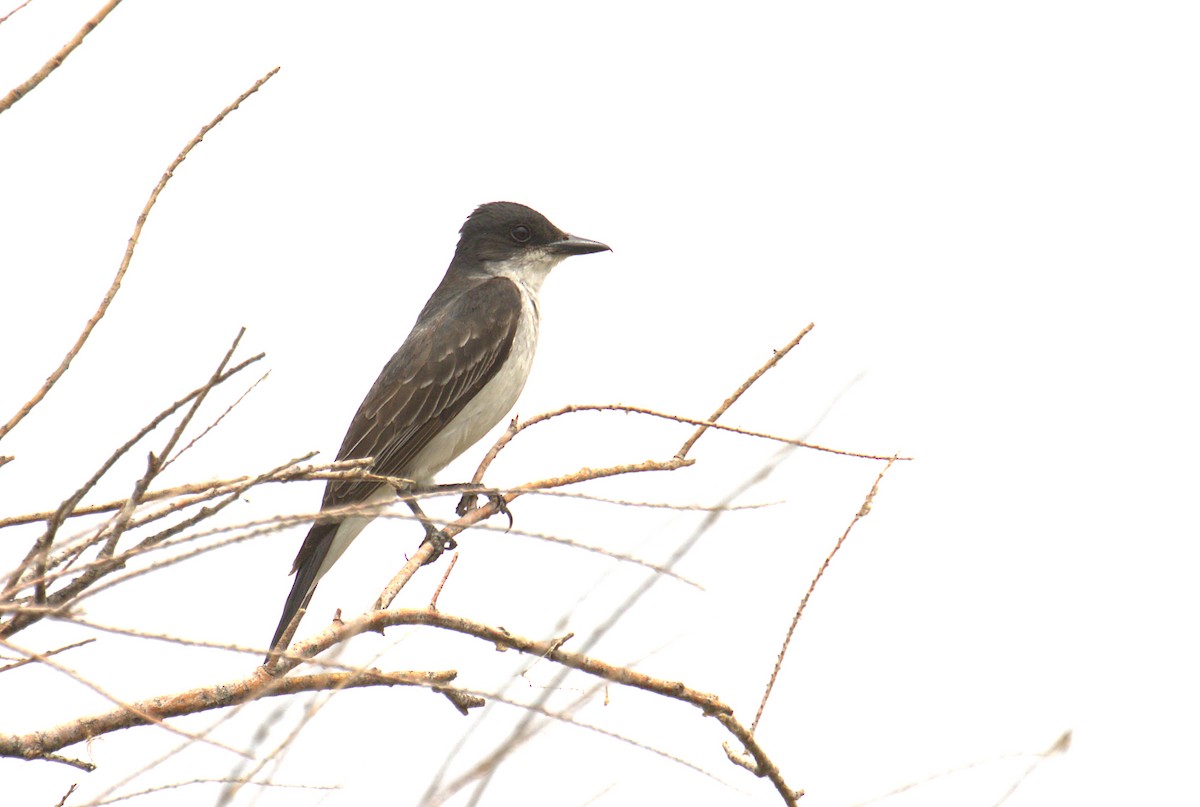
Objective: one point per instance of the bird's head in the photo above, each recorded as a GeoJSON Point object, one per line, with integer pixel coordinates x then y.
{"type": "Point", "coordinates": [506, 237]}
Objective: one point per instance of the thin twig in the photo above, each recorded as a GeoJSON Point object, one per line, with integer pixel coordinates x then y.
{"type": "Point", "coordinates": [732, 399]}
{"type": "Point", "coordinates": [47, 654]}
{"type": "Point", "coordinates": [3, 20]}
{"type": "Point", "coordinates": [70, 507]}
{"type": "Point", "coordinates": [133, 239]}
{"type": "Point", "coordinates": [56, 518]}
{"type": "Point", "coordinates": [1059, 746]}
{"type": "Point", "coordinates": [513, 428]}
{"type": "Point", "coordinates": [74, 785]}
{"type": "Point", "coordinates": [703, 424]}
{"type": "Point", "coordinates": [154, 463]}
{"type": "Point", "coordinates": [192, 782]}
{"type": "Point", "coordinates": [491, 508]}
{"type": "Point", "coordinates": [787, 639]}
{"type": "Point", "coordinates": [21, 90]}
{"type": "Point", "coordinates": [565, 716]}
{"type": "Point", "coordinates": [79, 590]}
{"type": "Point", "coordinates": [214, 488]}
{"type": "Point", "coordinates": [204, 432]}
{"type": "Point", "coordinates": [159, 541]}
{"type": "Point", "coordinates": [438, 591]}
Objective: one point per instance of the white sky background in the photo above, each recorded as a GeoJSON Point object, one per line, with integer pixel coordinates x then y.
{"type": "Point", "coordinates": [988, 210]}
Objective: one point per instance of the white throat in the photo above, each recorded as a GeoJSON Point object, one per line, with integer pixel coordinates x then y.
{"type": "Point", "coordinates": [528, 270]}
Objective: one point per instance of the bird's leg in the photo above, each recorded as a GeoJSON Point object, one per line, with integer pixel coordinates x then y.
{"type": "Point", "coordinates": [467, 503]}
{"type": "Point", "coordinates": [433, 536]}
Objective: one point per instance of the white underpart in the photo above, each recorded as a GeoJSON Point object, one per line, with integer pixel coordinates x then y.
{"type": "Point", "coordinates": [349, 529]}
{"type": "Point", "coordinates": [483, 412]}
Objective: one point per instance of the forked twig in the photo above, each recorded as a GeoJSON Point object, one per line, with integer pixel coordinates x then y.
{"type": "Point", "coordinates": [38, 553]}
{"type": "Point", "coordinates": [551, 650]}
{"type": "Point", "coordinates": [515, 427]}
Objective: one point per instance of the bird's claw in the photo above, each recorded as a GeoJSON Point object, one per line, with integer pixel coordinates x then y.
{"type": "Point", "coordinates": [494, 497]}
{"type": "Point", "coordinates": [467, 503]}
{"type": "Point", "coordinates": [440, 543]}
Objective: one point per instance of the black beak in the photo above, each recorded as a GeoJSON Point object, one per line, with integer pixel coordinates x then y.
{"type": "Point", "coordinates": [573, 245]}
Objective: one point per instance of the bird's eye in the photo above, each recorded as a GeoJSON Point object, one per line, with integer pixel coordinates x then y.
{"type": "Point", "coordinates": [520, 233]}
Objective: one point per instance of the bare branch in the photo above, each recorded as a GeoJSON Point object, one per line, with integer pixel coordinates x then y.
{"type": "Point", "coordinates": [550, 650]}
{"type": "Point", "coordinates": [524, 728]}
{"type": "Point", "coordinates": [3, 20]}
{"type": "Point", "coordinates": [137, 229]}
{"type": "Point", "coordinates": [43, 744]}
{"type": "Point", "coordinates": [154, 463]}
{"type": "Point", "coordinates": [37, 557]}
{"type": "Point", "coordinates": [515, 427]}
{"type": "Point", "coordinates": [82, 586]}
{"type": "Point", "coordinates": [192, 782]}
{"type": "Point", "coordinates": [21, 90]}
{"type": "Point", "coordinates": [787, 639]}
{"type": "Point", "coordinates": [134, 711]}
{"type": "Point", "coordinates": [490, 509]}
{"type": "Point", "coordinates": [214, 488]}
{"type": "Point", "coordinates": [38, 552]}
{"type": "Point", "coordinates": [438, 591]}
{"type": "Point", "coordinates": [512, 431]}
{"type": "Point", "coordinates": [39, 656]}
{"type": "Point", "coordinates": [1059, 746]}
{"type": "Point", "coordinates": [763, 766]}
{"type": "Point", "coordinates": [74, 785]}
{"type": "Point", "coordinates": [732, 399]}
{"type": "Point", "coordinates": [214, 424]}
{"type": "Point", "coordinates": [489, 764]}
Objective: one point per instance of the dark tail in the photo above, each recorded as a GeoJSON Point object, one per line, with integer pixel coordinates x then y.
{"type": "Point", "coordinates": [308, 561]}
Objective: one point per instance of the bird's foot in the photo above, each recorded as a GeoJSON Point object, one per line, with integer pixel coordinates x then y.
{"type": "Point", "coordinates": [467, 503]}
{"type": "Point", "coordinates": [494, 497]}
{"type": "Point", "coordinates": [439, 541]}
{"type": "Point", "coordinates": [497, 500]}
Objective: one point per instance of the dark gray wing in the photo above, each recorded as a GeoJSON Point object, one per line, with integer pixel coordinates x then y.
{"type": "Point", "coordinates": [442, 365]}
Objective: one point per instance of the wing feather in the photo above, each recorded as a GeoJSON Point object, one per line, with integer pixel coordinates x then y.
{"type": "Point", "coordinates": [442, 365]}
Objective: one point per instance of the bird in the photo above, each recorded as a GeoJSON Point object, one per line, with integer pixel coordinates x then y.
{"type": "Point", "coordinates": [457, 374]}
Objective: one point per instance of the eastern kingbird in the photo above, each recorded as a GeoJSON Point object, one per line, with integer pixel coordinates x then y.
{"type": "Point", "coordinates": [456, 376]}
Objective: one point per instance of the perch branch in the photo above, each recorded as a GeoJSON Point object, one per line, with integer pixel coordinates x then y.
{"type": "Point", "coordinates": [548, 649]}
